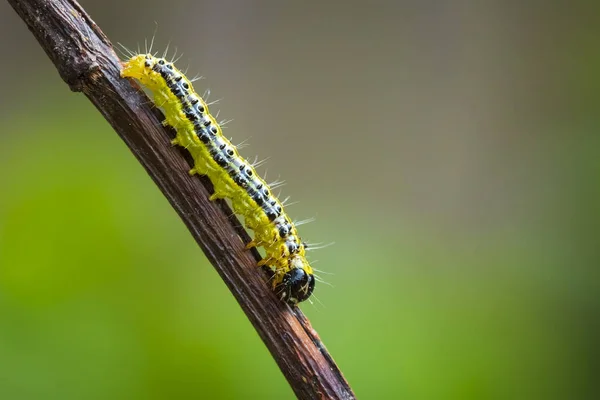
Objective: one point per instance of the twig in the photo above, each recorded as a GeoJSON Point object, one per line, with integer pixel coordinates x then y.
{"type": "Point", "coordinates": [86, 61]}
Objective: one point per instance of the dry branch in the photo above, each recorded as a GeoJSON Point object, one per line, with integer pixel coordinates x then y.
{"type": "Point", "coordinates": [86, 61]}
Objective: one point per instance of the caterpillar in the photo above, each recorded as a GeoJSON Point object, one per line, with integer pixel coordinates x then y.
{"type": "Point", "coordinates": [232, 176]}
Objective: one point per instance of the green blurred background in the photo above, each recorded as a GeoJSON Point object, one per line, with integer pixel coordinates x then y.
{"type": "Point", "coordinates": [449, 149]}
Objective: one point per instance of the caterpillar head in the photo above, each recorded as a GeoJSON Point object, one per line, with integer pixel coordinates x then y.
{"type": "Point", "coordinates": [296, 285]}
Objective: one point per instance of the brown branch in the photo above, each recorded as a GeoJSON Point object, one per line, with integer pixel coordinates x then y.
{"type": "Point", "coordinates": [86, 61]}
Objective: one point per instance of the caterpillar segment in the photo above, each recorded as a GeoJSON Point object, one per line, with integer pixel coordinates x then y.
{"type": "Point", "coordinates": [232, 176]}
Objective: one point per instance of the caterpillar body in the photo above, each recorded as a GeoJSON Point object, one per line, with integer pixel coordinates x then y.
{"type": "Point", "coordinates": [232, 176]}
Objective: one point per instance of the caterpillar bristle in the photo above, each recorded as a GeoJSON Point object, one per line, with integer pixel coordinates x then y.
{"type": "Point", "coordinates": [166, 50]}
{"type": "Point", "coordinates": [124, 50]}
{"type": "Point", "coordinates": [305, 221]}
{"type": "Point", "coordinates": [258, 164]}
{"type": "Point", "coordinates": [317, 246]}
{"type": "Point", "coordinates": [276, 184]}
{"type": "Point", "coordinates": [285, 201]}
{"type": "Point", "coordinates": [149, 50]}
{"type": "Point", "coordinates": [319, 270]}
{"type": "Point", "coordinates": [174, 60]}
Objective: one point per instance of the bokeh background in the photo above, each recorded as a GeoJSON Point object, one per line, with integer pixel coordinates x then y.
{"type": "Point", "coordinates": [449, 149]}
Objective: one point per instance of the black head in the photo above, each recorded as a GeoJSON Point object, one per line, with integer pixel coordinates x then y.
{"type": "Point", "coordinates": [296, 286]}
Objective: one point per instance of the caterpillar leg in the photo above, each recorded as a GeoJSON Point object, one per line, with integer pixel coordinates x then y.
{"type": "Point", "coordinates": [277, 278]}
{"type": "Point", "coordinates": [264, 261]}
{"type": "Point", "coordinates": [217, 195]}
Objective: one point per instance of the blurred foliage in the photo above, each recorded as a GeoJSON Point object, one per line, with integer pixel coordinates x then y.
{"type": "Point", "coordinates": [465, 265]}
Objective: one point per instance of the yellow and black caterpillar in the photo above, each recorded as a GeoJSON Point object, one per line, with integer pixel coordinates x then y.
{"type": "Point", "coordinates": [232, 176]}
